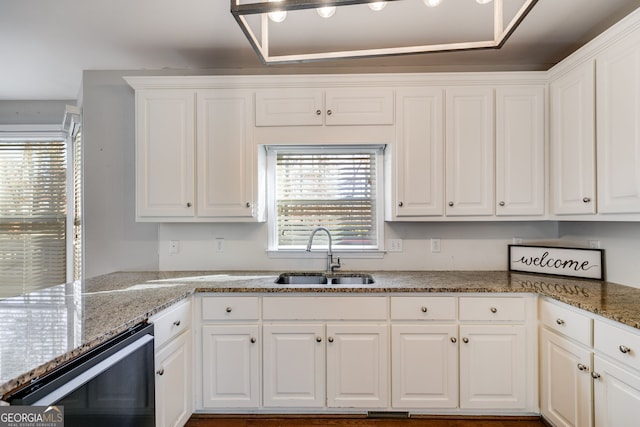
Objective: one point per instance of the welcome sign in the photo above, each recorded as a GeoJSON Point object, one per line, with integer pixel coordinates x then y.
{"type": "Point", "coordinates": [572, 262]}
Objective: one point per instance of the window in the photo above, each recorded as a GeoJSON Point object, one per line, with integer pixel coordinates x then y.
{"type": "Point", "coordinates": [33, 173]}
{"type": "Point", "coordinates": [337, 188]}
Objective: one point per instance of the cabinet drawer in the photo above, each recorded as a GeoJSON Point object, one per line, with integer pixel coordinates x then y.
{"type": "Point", "coordinates": [171, 322]}
{"type": "Point", "coordinates": [566, 321]}
{"type": "Point", "coordinates": [325, 308]}
{"type": "Point", "coordinates": [492, 309]}
{"type": "Point", "coordinates": [230, 308]}
{"type": "Point", "coordinates": [621, 344]}
{"type": "Point", "coordinates": [423, 308]}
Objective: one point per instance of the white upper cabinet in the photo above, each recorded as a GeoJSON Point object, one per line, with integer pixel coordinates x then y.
{"type": "Point", "coordinates": [618, 130]}
{"type": "Point", "coordinates": [520, 130]}
{"type": "Point", "coordinates": [331, 107]}
{"type": "Point", "coordinates": [165, 123]}
{"type": "Point", "coordinates": [573, 142]}
{"type": "Point", "coordinates": [418, 160]}
{"type": "Point", "coordinates": [225, 154]}
{"type": "Point", "coordinates": [469, 151]}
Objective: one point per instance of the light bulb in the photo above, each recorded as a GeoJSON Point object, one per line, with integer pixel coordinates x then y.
{"type": "Point", "coordinates": [431, 3]}
{"type": "Point", "coordinates": [326, 12]}
{"type": "Point", "coordinates": [377, 5]}
{"type": "Point", "coordinates": [278, 16]}
{"type": "Point", "coordinates": [483, 1]}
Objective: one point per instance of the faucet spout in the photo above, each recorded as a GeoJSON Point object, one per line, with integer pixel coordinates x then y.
{"type": "Point", "coordinates": [331, 265]}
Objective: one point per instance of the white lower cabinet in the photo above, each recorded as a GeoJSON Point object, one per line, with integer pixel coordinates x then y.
{"type": "Point", "coordinates": [173, 365]}
{"type": "Point", "coordinates": [357, 365]}
{"type": "Point", "coordinates": [424, 366]}
{"type": "Point", "coordinates": [617, 394]}
{"type": "Point", "coordinates": [294, 365]}
{"type": "Point", "coordinates": [230, 366]}
{"type": "Point", "coordinates": [565, 381]}
{"type": "Point", "coordinates": [493, 367]}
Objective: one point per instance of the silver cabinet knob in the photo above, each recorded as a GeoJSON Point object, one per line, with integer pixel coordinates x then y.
{"type": "Point", "coordinates": [502, 203]}
{"type": "Point", "coordinates": [189, 204]}
{"type": "Point", "coordinates": [560, 322]}
{"type": "Point", "coordinates": [424, 309]}
{"type": "Point", "coordinates": [228, 309]}
{"type": "Point", "coordinates": [330, 339]}
{"type": "Point", "coordinates": [454, 340]}
{"type": "Point", "coordinates": [400, 204]}
{"type": "Point", "coordinates": [318, 112]}
{"type": "Point", "coordinates": [329, 112]}
{"type": "Point", "coordinates": [586, 199]}
{"type": "Point", "coordinates": [318, 339]}
{"type": "Point", "coordinates": [160, 371]}
{"type": "Point", "coordinates": [465, 340]}
{"type": "Point", "coordinates": [450, 203]}
{"type": "Point", "coordinates": [624, 349]}
{"type": "Point", "coordinates": [253, 340]}
{"type": "Point", "coordinates": [176, 323]}
{"type": "Point", "coordinates": [582, 367]}
{"type": "Point", "coordinates": [493, 310]}
{"type": "Point", "coordinates": [595, 375]}
{"type": "Point", "coordinates": [248, 204]}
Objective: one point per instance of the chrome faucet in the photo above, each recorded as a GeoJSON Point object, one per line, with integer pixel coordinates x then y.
{"type": "Point", "coordinates": [331, 265]}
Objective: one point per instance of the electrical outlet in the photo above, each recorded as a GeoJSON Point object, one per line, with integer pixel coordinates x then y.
{"type": "Point", "coordinates": [435, 246]}
{"type": "Point", "coordinates": [395, 245]}
{"type": "Point", "coordinates": [594, 244]}
{"type": "Point", "coordinates": [174, 247]}
{"type": "Point", "coordinates": [219, 245]}
{"type": "Point", "coordinates": [517, 240]}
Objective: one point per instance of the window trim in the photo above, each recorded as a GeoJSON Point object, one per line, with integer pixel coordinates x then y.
{"type": "Point", "coordinates": [272, 248]}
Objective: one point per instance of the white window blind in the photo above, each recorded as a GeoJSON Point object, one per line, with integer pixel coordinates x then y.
{"type": "Point", "coordinates": [32, 214]}
{"type": "Point", "coordinates": [334, 188]}
{"type": "Point", "coordinates": [77, 206]}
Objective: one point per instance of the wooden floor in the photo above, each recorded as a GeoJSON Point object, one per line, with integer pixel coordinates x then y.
{"type": "Point", "coordinates": [335, 421]}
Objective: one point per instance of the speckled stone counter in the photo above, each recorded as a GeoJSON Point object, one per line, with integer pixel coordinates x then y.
{"type": "Point", "coordinates": [47, 328]}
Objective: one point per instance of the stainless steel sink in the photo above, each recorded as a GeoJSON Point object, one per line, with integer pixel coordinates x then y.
{"type": "Point", "coordinates": [324, 279]}
{"type": "Point", "coordinates": [301, 279]}
{"type": "Point", "coordinates": [356, 279]}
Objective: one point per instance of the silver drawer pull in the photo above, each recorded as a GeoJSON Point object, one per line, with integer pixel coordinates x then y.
{"type": "Point", "coordinates": [465, 340]}
{"type": "Point", "coordinates": [583, 367]}
{"type": "Point", "coordinates": [176, 323]}
{"type": "Point", "coordinates": [493, 310]}
{"type": "Point", "coordinates": [424, 309]}
{"type": "Point", "coordinates": [454, 340]}
{"type": "Point", "coordinates": [595, 375]}
{"type": "Point", "coordinates": [318, 112]}
{"type": "Point", "coordinates": [586, 199]}
{"type": "Point", "coordinates": [624, 349]}
{"type": "Point", "coordinates": [228, 309]}
{"type": "Point", "coordinates": [560, 322]}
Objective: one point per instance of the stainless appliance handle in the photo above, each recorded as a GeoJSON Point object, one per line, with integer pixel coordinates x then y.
{"type": "Point", "coordinates": [93, 372]}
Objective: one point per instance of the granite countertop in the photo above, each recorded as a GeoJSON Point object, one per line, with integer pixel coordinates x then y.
{"type": "Point", "coordinates": [44, 329]}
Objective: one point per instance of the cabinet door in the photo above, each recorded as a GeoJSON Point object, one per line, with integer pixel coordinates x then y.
{"type": "Point", "coordinates": [520, 179]}
{"type": "Point", "coordinates": [357, 365]}
{"type": "Point", "coordinates": [492, 375]}
{"type": "Point", "coordinates": [289, 107]}
{"type": "Point", "coordinates": [573, 142]}
{"type": "Point", "coordinates": [618, 114]}
{"type": "Point", "coordinates": [230, 366]}
{"type": "Point", "coordinates": [469, 151]}
{"type": "Point", "coordinates": [424, 366]}
{"type": "Point", "coordinates": [165, 141]}
{"type": "Point", "coordinates": [565, 381]}
{"type": "Point", "coordinates": [294, 365]}
{"type": "Point", "coordinates": [174, 389]}
{"type": "Point", "coordinates": [418, 159]}
{"type": "Point", "coordinates": [359, 106]}
{"type": "Point", "coordinates": [225, 156]}
{"type": "Point", "coordinates": [616, 394]}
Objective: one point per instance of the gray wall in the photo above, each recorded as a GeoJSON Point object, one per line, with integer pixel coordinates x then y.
{"type": "Point", "coordinates": [33, 112]}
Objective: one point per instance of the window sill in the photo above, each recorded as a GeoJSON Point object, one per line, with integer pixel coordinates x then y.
{"type": "Point", "coordinates": [321, 254]}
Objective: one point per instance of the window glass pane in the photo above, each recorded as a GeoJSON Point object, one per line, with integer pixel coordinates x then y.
{"type": "Point", "coordinates": [334, 188]}
{"type": "Point", "coordinates": [32, 215]}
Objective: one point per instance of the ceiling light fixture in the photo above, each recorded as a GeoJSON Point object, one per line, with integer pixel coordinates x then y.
{"type": "Point", "coordinates": [276, 41]}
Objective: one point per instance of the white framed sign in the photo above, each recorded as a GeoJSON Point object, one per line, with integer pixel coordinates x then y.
{"type": "Point", "coordinates": [572, 262]}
